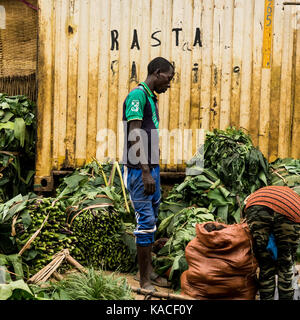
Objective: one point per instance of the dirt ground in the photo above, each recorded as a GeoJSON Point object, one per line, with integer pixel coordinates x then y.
{"type": "Point", "coordinates": [135, 284]}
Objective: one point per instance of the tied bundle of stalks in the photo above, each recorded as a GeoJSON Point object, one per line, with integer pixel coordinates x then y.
{"type": "Point", "coordinates": [96, 204]}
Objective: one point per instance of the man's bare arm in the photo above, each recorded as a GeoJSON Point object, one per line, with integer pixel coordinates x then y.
{"type": "Point", "coordinates": [149, 183]}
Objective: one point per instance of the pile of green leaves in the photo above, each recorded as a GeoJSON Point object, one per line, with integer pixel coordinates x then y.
{"type": "Point", "coordinates": [88, 217]}
{"type": "Point", "coordinates": [29, 213]}
{"type": "Point", "coordinates": [94, 285]}
{"type": "Point", "coordinates": [286, 172]}
{"type": "Point", "coordinates": [17, 145]}
{"type": "Point", "coordinates": [93, 197]}
{"type": "Point", "coordinates": [204, 191]}
{"type": "Point", "coordinates": [180, 229]}
{"type": "Point", "coordinates": [12, 284]}
{"type": "Point", "coordinates": [233, 168]}
{"type": "Point", "coordinates": [238, 164]}
{"type": "Point", "coordinates": [92, 185]}
{"type": "Point", "coordinates": [17, 290]}
{"type": "Point", "coordinates": [101, 240]}
{"type": "Point", "coordinates": [8, 210]}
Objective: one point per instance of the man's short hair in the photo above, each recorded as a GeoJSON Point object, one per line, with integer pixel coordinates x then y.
{"type": "Point", "coordinates": [159, 63]}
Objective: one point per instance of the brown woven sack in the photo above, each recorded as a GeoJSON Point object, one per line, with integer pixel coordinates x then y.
{"type": "Point", "coordinates": [18, 47]}
{"type": "Point", "coordinates": [221, 263]}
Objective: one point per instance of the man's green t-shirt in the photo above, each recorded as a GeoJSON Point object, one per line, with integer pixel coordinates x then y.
{"type": "Point", "coordinates": [141, 104]}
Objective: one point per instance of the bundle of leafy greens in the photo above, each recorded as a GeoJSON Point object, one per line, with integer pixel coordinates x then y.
{"type": "Point", "coordinates": [238, 164]}
{"type": "Point", "coordinates": [94, 285]}
{"type": "Point", "coordinates": [89, 216]}
{"type": "Point", "coordinates": [8, 210]}
{"type": "Point", "coordinates": [94, 184]}
{"type": "Point", "coordinates": [96, 204]}
{"type": "Point", "coordinates": [233, 168]}
{"type": "Point", "coordinates": [17, 145]}
{"type": "Point", "coordinates": [179, 228]}
{"type": "Point", "coordinates": [12, 284]}
{"type": "Point", "coordinates": [204, 190]}
{"type": "Point", "coordinates": [286, 172]}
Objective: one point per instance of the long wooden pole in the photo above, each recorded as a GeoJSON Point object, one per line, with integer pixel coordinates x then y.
{"type": "Point", "coordinates": [158, 294]}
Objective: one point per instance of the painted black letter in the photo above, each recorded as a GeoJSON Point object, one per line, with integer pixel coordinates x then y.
{"type": "Point", "coordinates": [135, 41]}
{"type": "Point", "coordinates": [177, 35]}
{"type": "Point", "coordinates": [133, 76]}
{"type": "Point", "coordinates": [114, 39]}
{"type": "Point", "coordinates": [198, 38]}
{"type": "Point", "coordinates": [152, 36]}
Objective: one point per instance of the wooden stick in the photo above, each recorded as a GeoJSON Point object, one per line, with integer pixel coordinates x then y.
{"type": "Point", "coordinates": [13, 230]}
{"type": "Point", "coordinates": [158, 294]}
{"type": "Point", "coordinates": [28, 243]}
{"type": "Point", "coordinates": [102, 205]}
{"type": "Point", "coordinates": [280, 176]}
{"type": "Point", "coordinates": [45, 273]}
{"type": "Point", "coordinates": [57, 276]}
{"type": "Point", "coordinates": [76, 264]}
{"type": "Point", "coordinates": [123, 187]}
{"type": "Point", "coordinates": [57, 260]}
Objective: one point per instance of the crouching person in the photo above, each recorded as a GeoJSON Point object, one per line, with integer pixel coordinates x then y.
{"type": "Point", "coordinates": [274, 211]}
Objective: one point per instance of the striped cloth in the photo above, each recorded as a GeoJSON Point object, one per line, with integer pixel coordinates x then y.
{"type": "Point", "coordinates": [278, 198]}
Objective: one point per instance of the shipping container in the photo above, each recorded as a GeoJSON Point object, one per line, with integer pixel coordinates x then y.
{"type": "Point", "coordinates": [237, 63]}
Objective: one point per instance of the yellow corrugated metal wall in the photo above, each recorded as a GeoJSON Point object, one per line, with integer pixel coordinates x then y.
{"type": "Point", "coordinates": [237, 63]}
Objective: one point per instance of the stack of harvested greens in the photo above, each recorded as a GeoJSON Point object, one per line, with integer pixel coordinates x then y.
{"type": "Point", "coordinates": [89, 216]}
{"type": "Point", "coordinates": [240, 166]}
{"type": "Point", "coordinates": [99, 215]}
{"type": "Point", "coordinates": [9, 210]}
{"type": "Point", "coordinates": [205, 191]}
{"type": "Point", "coordinates": [286, 172]}
{"type": "Point", "coordinates": [26, 216]}
{"type": "Point", "coordinates": [233, 168]}
{"type": "Point", "coordinates": [93, 285]}
{"type": "Point", "coordinates": [94, 184]}
{"type": "Point", "coordinates": [101, 238]}
{"type": "Point", "coordinates": [17, 145]}
{"type": "Point", "coordinates": [179, 228]}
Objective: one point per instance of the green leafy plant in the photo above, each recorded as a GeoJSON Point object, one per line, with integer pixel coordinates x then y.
{"type": "Point", "coordinates": [180, 229]}
{"type": "Point", "coordinates": [16, 290]}
{"type": "Point", "coordinates": [88, 217]}
{"type": "Point", "coordinates": [17, 145]}
{"type": "Point", "coordinates": [93, 285]}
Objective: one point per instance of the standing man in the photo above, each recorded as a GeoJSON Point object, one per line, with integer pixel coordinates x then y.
{"type": "Point", "coordinates": [274, 210]}
{"type": "Point", "coordinates": [141, 171]}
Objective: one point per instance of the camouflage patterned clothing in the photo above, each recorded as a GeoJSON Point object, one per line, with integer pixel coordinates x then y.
{"type": "Point", "coordinates": [263, 221]}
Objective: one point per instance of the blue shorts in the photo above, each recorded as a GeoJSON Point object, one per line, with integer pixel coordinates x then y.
{"type": "Point", "coordinates": [145, 206]}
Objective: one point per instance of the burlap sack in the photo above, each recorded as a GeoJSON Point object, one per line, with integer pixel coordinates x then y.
{"type": "Point", "coordinates": [221, 263]}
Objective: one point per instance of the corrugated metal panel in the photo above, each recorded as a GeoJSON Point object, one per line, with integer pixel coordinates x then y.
{"type": "Point", "coordinates": [237, 63]}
